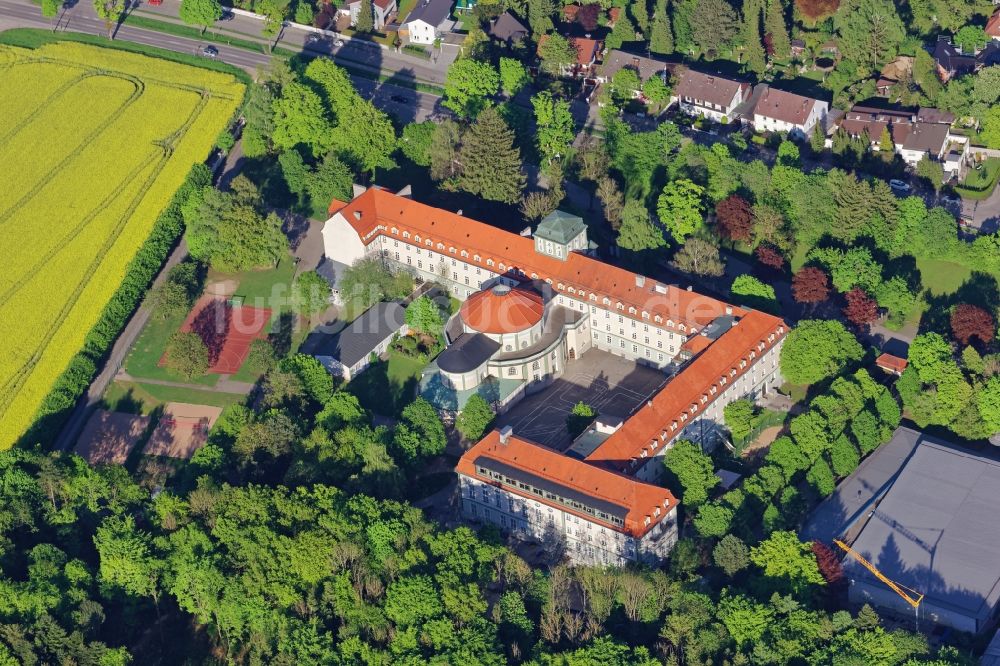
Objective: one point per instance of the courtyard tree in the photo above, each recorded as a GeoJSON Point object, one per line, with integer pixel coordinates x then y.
{"type": "Point", "coordinates": [186, 354]}
{"type": "Point", "coordinates": [580, 418]}
{"type": "Point", "coordinates": [861, 309]}
{"type": "Point", "coordinates": [475, 418]}
{"type": "Point", "coordinates": [739, 418]}
{"type": "Point", "coordinates": [691, 470]}
{"type": "Point", "coordinates": [424, 316]}
{"type": "Point", "coordinates": [310, 293]}
{"type": "Point", "coordinates": [817, 349]}
{"type": "Point", "coordinates": [680, 208]}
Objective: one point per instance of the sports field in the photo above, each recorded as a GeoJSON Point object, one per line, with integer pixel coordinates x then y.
{"type": "Point", "coordinates": [93, 144]}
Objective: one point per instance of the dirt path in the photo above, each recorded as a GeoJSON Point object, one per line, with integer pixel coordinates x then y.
{"type": "Point", "coordinates": [759, 446]}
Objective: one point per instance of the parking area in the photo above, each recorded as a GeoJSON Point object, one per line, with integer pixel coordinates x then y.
{"type": "Point", "coordinates": [610, 384]}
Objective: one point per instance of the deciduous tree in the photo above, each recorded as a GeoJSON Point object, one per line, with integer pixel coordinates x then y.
{"type": "Point", "coordinates": [680, 208]}
{"type": "Point", "coordinates": [699, 256]}
{"type": "Point", "coordinates": [692, 470]}
{"type": "Point", "coordinates": [734, 218]}
{"type": "Point", "coordinates": [186, 354]}
{"type": "Point", "coordinates": [469, 86]}
{"type": "Point", "coordinates": [861, 309]}
{"type": "Point", "coordinates": [554, 125]}
{"type": "Point", "coordinates": [513, 76]}
{"type": "Point", "coordinates": [817, 349]}
{"type": "Point", "coordinates": [200, 12]}
{"type": "Point", "coordinates": [638, 233]}
{"type": "Point", "coordinates": [810, 286]}
{"type": "Point", "coordinates": [474, 418]}
{"type": "Point", "coordinates": [870, 31]}
{"type": "Point", "coordinates": [971, 321]}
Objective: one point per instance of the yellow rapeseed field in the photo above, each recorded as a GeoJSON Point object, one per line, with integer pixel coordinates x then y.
{"type": "Point", "coordinates": [94, 143]}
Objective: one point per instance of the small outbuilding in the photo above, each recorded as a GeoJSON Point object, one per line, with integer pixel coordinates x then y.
{"type": "Point", "coordinates": [347, 353]}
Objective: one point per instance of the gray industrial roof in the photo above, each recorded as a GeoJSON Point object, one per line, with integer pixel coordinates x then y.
{"type": "Point", "coordinates": [363, 335]}
{"type": "Point", "coordinates": [835, 516]}
{"type": "Point", "coordinates": [467, 352]}
{"type": "Point", "coordinates": [937, 529]}
{"type": "Point", "coordinates": [431, 12]}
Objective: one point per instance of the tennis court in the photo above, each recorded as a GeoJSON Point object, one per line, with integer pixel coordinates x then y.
{"type": "Point", "coordinates": [182, 430]}
{"type": "Point", "coordinates": [227, 327]}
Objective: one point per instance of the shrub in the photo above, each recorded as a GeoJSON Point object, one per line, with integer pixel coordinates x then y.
{"type": "Point", "coordinates": [580, 417]}
{"type": "Point", "coordinates": [820, 478]}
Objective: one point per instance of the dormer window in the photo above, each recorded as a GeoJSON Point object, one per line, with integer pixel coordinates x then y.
{"type": "Point", "coordinates": [428, 242]}
{"type": "Point", "coordinates": [645, 315]}
{"type": "Point", "coordinates": [620, 306]}
{"type": "Point", "coordinates": [502, 267]}
{"type": "Point", "coordinates": [406, 234]}
{"type": "Point", "coordinates": [561, 287]}
{"type": "Point", "coordinates": [704, 398]}
{"type": "Point", "coordinates": [632, 310]}
{"type": "Point", "coordinates": [693, 408]}
{"type": "Point", "coordinates": [465, 254]}
{"type": "Point", "coordinates": [684, 417]}
{"type": "Point", "coordinates": [606, 301]}
{"type": "Point", "coordinates": [534, 276]}
{"type": "Point", "coordinates": [395, 231]}
{"type": "Point", "coordinates": [476, 257]}
{"type": "Point", "coordinates": [732, 372]}
{"type": "Point", "coordinates": [723, 381]}
{"type": "Point", "coordinates": [713, 390]}
{"type": "Point", "coordinates": [416, 238]}
{"type": "Point", "coordinates": [593, 297]}
{"type": "Point", "coordinates": [490, 262]}
{"type": "Point", "coordinates": [658, 319]}
{"type": "Point", "coordinates": [440, 246]}
{"type": "Point", "coordinates": [743, 363]}
{"type": "Point", "coordinates": [673, 426]}
{"type": "Point", "coordinates": [452, 250]}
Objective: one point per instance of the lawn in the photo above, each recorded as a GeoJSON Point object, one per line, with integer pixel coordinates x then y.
{"type": "Point", "coordinates": [388, 386]}
{"type": "Point", "coordinates": [140, 398]}
{"type": "Point", "coordinates": [143, 359]}
{"type": "Point", "coordinates": [979, 183]}
{"type": "Point", "coordinates": [942, 277]}
{"type": "Point", "coordinates": [90, 158]}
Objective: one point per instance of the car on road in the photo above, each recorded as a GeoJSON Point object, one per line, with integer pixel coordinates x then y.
{"type": "Point", "coordinates": [339, 42]}
{"type": "Point", "coordinates": [210, 52]}
{"type": "Point", "coordinates": [227, 15]}
{"type": "Point", "coordinates": [899, 186]}
{"type": "Point", "coordinates": [313, 38]}
{"type": "Point", "coordinates": [399, 99]}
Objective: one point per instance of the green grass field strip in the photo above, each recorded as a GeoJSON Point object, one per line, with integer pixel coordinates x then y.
{"type": "Point", "coordinates": [72, 154]}
{"type": "Point", "coordinates": [11, 387]}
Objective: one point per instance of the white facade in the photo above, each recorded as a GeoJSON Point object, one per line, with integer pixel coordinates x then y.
{"type": "Point", "coordinates": [422, 32]}
{"type": "Point", "coordinates": [817, 114]}
{"type": "Point", "coordinates": [621, 332]}
{"type": "Point", "coordinates": [583, 541]}
{"type": "Point", "coordinates": [711, 110]}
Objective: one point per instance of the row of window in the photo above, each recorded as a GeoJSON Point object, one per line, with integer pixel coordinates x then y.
{"type": "Point", "coordinates": [579, 506]}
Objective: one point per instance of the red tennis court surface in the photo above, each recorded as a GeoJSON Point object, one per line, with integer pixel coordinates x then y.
{"type": "Point", "coordinates": [227, 331]}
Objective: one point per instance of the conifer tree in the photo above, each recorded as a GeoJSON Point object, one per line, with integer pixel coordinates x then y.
{"type": "Point", "coordinates": [491, 164]}
{"type": "Point", "coordinates": [366, 17]}
{"type": "Point", "coordinates": [661, 39]}
{"type": "Point", "coordinates": [640, 14]}
{"type": "Point", "coordinates": [776, 28]}
{"type": "Point", "coordinates": [755, 57]}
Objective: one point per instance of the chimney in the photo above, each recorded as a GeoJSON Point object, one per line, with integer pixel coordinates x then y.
{"type": "Point", "coordinates": [406, 192]}
{"type": "Point", "coordinates": [505, 433]}
{"type": "Point", "coordinates": [635, 61]}
{"type": "Point", "coordinates": [459, 212]}
{"type": "Point", "coordinates": [357, 215]}
{"type": "Point", "coordinates": [640, 280]}
{"type": "Point", "coordinates": [690, 288]}
{"type": "Point", "coordinates": [359, 189]}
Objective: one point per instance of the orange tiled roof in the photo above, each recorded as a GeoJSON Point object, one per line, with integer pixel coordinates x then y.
{"type": "Point", "coordinates": [502, 310]}
{"type": "Point", "coordinates": [890, 362]}
{"type": "Point", "coordinates": [640, 499]}
{"type": "Point", "coordinates": [377, 212]}
{"type": "Point", "coordinates": [690, 391]}
{"type": "Point", "coordinates": [696, 344]}
{"type": "Point", "coordinates": [993, 25]}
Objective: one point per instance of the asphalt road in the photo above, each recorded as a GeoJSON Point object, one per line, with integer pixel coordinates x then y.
{"type": "Point", "coordinates": [402, 102]}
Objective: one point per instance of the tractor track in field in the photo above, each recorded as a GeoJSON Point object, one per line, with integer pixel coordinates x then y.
{"type": "Point", "coordinates": [140, 88]}
{"type": "Point", "coordinates": [10, 388]}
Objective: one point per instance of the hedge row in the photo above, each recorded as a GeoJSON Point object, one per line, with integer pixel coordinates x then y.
{"type": "Point", "coordinates": [139, 275]}
{"type": "Point", "coordinates": [852, 419]}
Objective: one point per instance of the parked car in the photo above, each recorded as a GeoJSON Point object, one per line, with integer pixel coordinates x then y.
{"type": "Point", "coordinates": [339, 42]}
{"type": "Point", "coordinates": [227, 15]}
{"type": "Point", "coordinates": [210, 52]}
{"type": "Point", "coordinates": [899, 186]}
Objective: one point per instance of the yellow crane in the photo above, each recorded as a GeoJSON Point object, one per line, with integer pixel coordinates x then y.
{"type": "Point", "coordinates": [909, 595]}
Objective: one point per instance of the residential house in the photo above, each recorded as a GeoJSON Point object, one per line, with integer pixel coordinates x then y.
{"type": "Point", "coordinates": [428, 21]}
{"type": "Point", "coordinates": [952, 61]}
{"type": "Point", "coordinates": [993, 26]}
{"type": "Point", "coordinates": [782, 111]}
{"type": "Point", "coordinates": [924, 140]}
{"type": "Point", "coordinates": [382, 10]}
{"type": "Point", "coordinates": [508, 30]}
{"type": "Point", "coordinates": [709, 95]}
{"type": "Point", "coordinates": [869, 122]}
{"type": "Point", "coordinates": [587, 51]}
{"type": "Point", "coordinates": [347, 353]}
{"type": "Point", "coordinates": [646, 68]}
{"type": "Point", "coordinates": [798, 47]}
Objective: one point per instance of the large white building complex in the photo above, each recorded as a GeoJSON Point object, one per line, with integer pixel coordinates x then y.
{"type": "Point", "coordinates": [533, 303]}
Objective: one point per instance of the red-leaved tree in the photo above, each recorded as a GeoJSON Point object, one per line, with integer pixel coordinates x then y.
{"type": "Point", "coordinates": [828, 563]}
{"type": "Point", "coordinates": [810, 286]}
{"type": "Point", "coordinates": [814, 10]}
{"type": "Point", "coordinates": [587, 16]}
{"type": "Point", "coordinates": [971, 321]}
{"type": "Point", "coordinates": [770, 256]}
{"type": "Point", "coordinates": [861, 309]}
{"type": "Point", "coordinates": [734, 218]}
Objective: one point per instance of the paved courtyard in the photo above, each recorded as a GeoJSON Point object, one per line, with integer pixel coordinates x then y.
{"type": "Point", "coordinates": [613, 385]}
